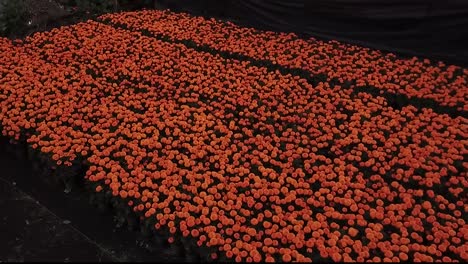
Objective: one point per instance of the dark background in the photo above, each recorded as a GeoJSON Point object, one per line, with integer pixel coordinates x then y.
{"type": "Point", "coordinates": [436, 29]}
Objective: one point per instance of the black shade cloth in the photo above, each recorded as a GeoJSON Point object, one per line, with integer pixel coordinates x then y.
{"type": "Point", "coordinates": [436, 29]}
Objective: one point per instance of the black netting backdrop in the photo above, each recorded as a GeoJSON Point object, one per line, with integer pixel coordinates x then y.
{"type": "Point", "coordinates": [430, 28]}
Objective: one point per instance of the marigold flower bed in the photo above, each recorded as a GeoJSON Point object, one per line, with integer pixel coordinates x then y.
{"type": "Point", "coordinates": [411, 77]}
{"type": "Point", "coordinates": [233, 160]}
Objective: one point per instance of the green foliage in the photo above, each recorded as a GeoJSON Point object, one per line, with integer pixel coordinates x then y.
{"type": "Point", "coordinates": [13, 16]}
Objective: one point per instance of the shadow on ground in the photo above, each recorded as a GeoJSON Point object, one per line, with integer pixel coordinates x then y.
{"type": "Point", "coordinates": [30, 232]}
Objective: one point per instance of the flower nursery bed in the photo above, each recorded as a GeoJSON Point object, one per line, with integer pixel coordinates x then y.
{"type": "Point", "coordinates": [300, 151]}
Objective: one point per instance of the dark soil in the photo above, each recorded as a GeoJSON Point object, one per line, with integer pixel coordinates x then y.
{"type": "Point", "coordinates": [30, 232]}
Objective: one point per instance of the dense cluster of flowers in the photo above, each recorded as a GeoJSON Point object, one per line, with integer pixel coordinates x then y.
{"type": "Point", "coordinates": [411, 77]}
{"type": "Point", "coordinates": [254, 165]}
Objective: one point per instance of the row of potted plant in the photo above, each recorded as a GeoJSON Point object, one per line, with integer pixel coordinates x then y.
{"type": "Point", "coordinates": [415, 78]}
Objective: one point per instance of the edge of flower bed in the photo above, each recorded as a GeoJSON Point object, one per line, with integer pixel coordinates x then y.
{"type": "Point", "coordinates": [73, 178]}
